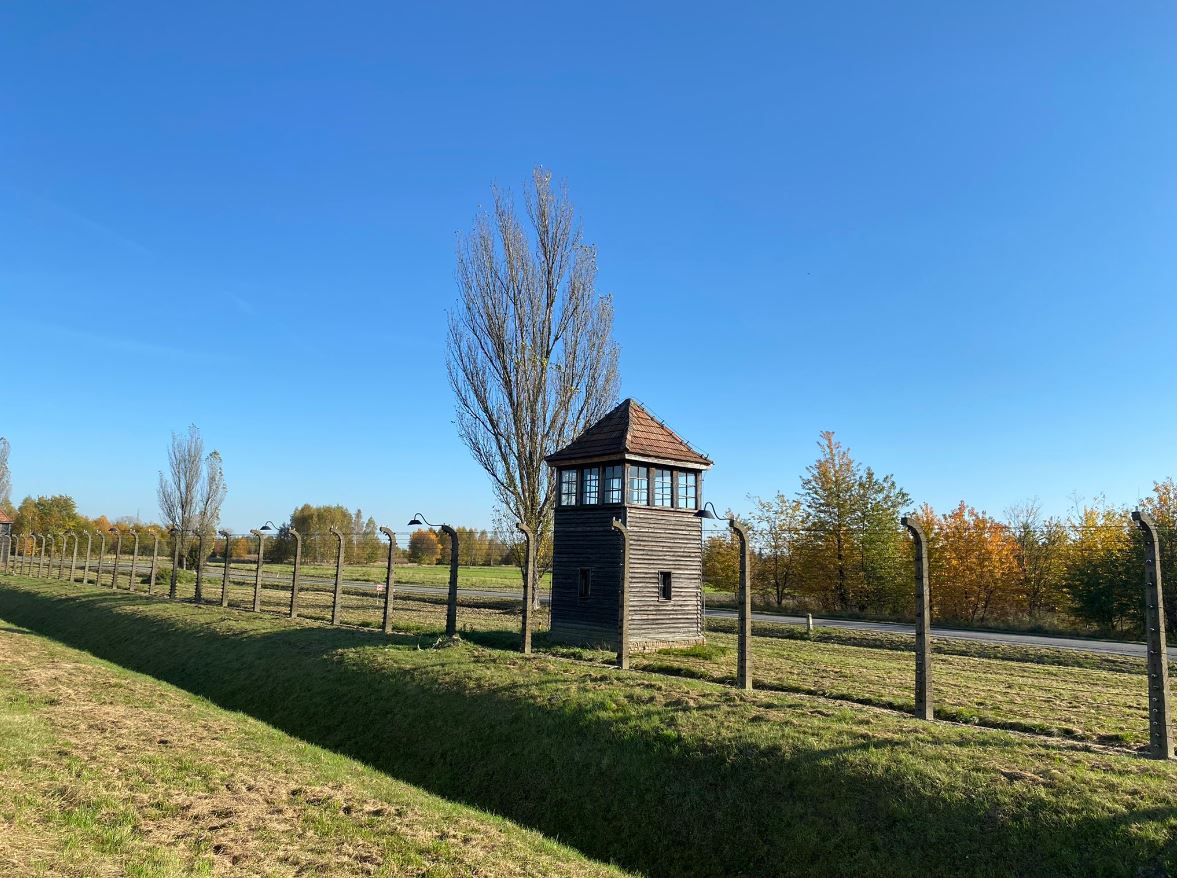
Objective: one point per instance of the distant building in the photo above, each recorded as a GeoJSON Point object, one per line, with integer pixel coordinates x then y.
{"type": "Point", "coordinates": [629, 466]}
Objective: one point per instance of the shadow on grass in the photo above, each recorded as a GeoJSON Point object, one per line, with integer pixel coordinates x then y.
{"type": "Point", "coordinates": [525, 745]}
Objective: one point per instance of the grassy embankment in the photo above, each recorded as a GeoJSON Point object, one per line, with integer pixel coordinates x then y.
{"type": "Point", "coordinates": [107, 772]}
{"type": "Point", "coordinates": [670, 776]}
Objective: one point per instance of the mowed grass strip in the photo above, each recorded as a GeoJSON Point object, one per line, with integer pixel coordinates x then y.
{"type": "Point", "coordinates": [1097, 698]}
{"type": "Point", "coordinates": [107, 772]}
{"type": "Point", "coordinates": [666, 776]}
{"type": "Point", "coordinates": [1000, 691]}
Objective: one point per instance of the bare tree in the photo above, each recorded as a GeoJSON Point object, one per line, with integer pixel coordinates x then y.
{"type": "Point", "coordinates": [211, 495]}
{"type": "Point", "coordinates": [1040, 554]}
{"type": "Point", "coordinates": [5, 474]}
{"type": "Point", "coordinates": [530, 352]}
{"type": "Point", "coordinates": [193, 489]}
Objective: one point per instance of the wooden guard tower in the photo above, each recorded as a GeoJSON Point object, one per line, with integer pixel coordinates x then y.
{"type": "Point", "coordinates": [632, 467]}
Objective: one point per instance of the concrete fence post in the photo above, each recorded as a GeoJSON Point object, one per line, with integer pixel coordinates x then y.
{"type": "Point", "coordinates": [41, 561]}
{"type": "Point", "coordinates": [16, 555]}
{"type": "Point", "coordinates": [89, 548]}
{"type": "Point", "coordinates": [451, 607]}
{"type": "Point", "coordinates": [623, 598]}
{"type": "Point", "coordinates": [101, 556]}
{"type": "Point", "coordinates": [73, 563]}
{"type": "Point", "coordinates": [386, 626]}
{"type": "Point", "coordinates": [118, 557]}
{"type": "Point", "coordinates": [200, 567]}
{"type": "Point", "coordinates": [924, 705]}
{"type": "Point", "coordinates": [154, 561]}
{"type": "Point", "coordinates": [744, 610]}
{"type": "Point", "coordinates": [134, 561]}
{"type": "Point", "coordinates": [336, 600]}
{"type": "Point", "coordinates": [1160, 726]}
{"type": "Point", "coordinates": [257, 574]}
{"type": "Point", "coordinates": [51, 542]}
{"type": "Point", "coordinates": [528, 584]}
{"type": "Point", "coordinates": [5, 552]}
{"type": "Point", "coordinates": [297, 570]}
{"type": "Point", "coordinates": [61, 558]}
{"type": "Point", "coordinates": [228, 561]}
{"type": "Point", "coordinates": [175, 532]}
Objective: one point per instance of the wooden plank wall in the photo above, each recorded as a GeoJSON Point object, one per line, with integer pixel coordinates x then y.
{"type": "Point", "coordinates": [665, 539]}
{"type": "Point", "coordinates": [662, 539]}
{"type": "Point", "coordinates": [584, 537]}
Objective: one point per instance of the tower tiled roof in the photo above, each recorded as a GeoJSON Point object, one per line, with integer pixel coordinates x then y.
{"type": "Point", "coordinates": [4, 519]}
{"type": "Point", "coordinates": [629, 429]}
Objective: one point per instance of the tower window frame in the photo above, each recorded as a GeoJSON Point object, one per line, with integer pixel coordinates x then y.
{"type": "Point", "coordinates": [663, 488]}
{"type": "Point", "coordinates": [665, 585]}
{"type": "Point", "coordinates": [613, 484]}
{"type": "Point", "coordinates": [638, 486]}
{"type": "Point", "coordinates": [568, 485]}
{"type": "Point", "coordinates": [688, 490]}
{"type": "Point", "coordinates": [584, 583]}
{"type": "Point", "coordinates": [590, 485]}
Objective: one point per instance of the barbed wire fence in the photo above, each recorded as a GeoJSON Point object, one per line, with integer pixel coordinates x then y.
{"type": "Point", "coordinates": [362, 580]}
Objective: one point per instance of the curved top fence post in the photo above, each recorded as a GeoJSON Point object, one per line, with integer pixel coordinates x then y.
{"type": "Point", "coordinates": [338, 597]}
{"type": "Point", "coordinates": [1160, 725]}
{"type": "Point", "coordinates": [257, 574]}
{"type": "Point", "coordinates": [924, 707]}
{"type": "Point", "coordinates": [388, 579]}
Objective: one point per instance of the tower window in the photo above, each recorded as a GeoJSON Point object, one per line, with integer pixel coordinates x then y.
{"type": "Point", "coordinates": [639, 486]}
{"type": "Point", "coordinates": [664, 585]}
{"type": "Point", "coordinates": [662, 487]}
{"type": "Point", "coordinates": [687, 490]}
{"type": "Point", "coordinates": [568, 487]}
{"type": "Point", "coordinates": [591, 485]}
{"type": "Point", "coordinates": [612, 484]}
{"type": "Point", "coordinates": [585, 582]}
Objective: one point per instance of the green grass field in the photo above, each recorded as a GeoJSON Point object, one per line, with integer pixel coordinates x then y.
{"type": "Point", "coordinates": [489, 578]}
{"type": "Point", "coordinates": [667, 775]}
{"type": "Point", "coordinates": [108, 772]}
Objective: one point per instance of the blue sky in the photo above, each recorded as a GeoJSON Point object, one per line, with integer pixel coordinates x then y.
{"type": "Point", "coordinates": [945, 231]}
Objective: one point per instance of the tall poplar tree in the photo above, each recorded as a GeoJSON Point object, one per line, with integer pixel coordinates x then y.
{"type": "Point", "coordinates": [531, 355]}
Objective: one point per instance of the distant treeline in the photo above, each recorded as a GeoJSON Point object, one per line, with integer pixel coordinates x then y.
{"type": "Point", "coordinates": [838, 547]}
{"type": "Point", "coordinates": [364, 544]}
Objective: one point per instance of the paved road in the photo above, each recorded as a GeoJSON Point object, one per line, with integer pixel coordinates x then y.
{"type": "Point", "coordinates": [1111, 647]}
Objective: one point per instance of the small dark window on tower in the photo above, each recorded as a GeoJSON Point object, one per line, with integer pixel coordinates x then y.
{"type": "Point", "coordinates": [586, 582]}
{"type": "Point", "coordinates": [664, 585]}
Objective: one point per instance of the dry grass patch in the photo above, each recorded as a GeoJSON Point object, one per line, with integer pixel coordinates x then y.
{"type": "Point", "coordinates": [109, 773]}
